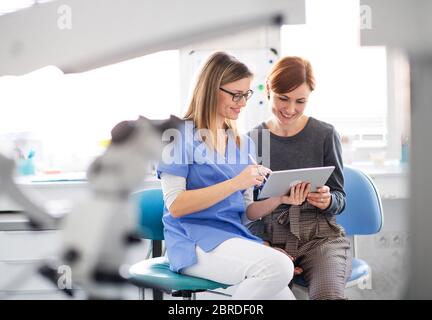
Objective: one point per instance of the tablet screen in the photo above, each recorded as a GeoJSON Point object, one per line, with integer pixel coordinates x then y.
{"type": "Point", "coordinates": [280, 182]}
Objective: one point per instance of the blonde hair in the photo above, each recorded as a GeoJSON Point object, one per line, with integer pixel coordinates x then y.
{"type": "Point", "coordinates": [219, 69]}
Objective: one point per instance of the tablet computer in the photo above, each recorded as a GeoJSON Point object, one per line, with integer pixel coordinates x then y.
{"type": "Point", "coordinates": [280, 182]}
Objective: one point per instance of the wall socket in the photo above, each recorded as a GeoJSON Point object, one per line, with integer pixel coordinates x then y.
{"type": "Point", "coordinates": [391, 240]}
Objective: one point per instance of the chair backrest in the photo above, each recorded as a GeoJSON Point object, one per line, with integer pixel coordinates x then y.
{"type": "Point", "coordinates": [363, 213]}
{"type": "Point", "coordinates": [151, 206]}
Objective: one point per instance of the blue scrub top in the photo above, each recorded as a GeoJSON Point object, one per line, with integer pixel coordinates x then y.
{"type": "Point", "coordinates": [209, 227]}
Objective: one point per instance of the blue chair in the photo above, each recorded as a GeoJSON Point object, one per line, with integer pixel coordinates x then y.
{"type": "Point", "coordinates": [363, 215]}
{"type": "Point", "coordinates": [155, 273]}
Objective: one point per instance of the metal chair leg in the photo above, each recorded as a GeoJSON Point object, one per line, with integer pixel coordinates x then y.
{"type": "Point", "coordinates": [141, 293]}
{"type": "Point", "coordinates": [191, 296]}
{"type": "Point", "coordinates": [366, 283]}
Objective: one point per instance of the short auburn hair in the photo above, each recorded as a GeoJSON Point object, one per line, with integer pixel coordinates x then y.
{"type": "Point", "coordinates": [289, 73]}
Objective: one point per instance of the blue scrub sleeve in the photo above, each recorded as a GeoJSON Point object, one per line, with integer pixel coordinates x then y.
{"type": "Point", "coordinates": [178, 165]}
{"type": "Point", "coordinates": [181, 170]}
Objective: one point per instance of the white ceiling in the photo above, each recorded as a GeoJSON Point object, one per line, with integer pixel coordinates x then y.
{"type": "Point", "coordinates": [9, 6]}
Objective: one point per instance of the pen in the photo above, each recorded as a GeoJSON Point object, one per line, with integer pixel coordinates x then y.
{"type": "Point", "coordinates": [255, 163]}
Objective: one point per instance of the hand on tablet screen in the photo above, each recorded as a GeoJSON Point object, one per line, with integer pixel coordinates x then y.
{"type": "Point", "coordinates": [297, 194]}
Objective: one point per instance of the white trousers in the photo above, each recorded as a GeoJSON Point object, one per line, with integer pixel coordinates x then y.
{"type": "Point", "coordinates": [260, 272]}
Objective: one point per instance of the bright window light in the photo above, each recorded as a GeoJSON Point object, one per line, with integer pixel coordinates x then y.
{"type": "Point", "coordinates": [68, 116]}
{"type": "Point", "coordinates": [351, 81]}
{"type": "Point", "coordinates": [9, 6]}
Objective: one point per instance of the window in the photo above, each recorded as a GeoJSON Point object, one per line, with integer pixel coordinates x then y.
{"type": "Point", "coordinates": [65, 117]}
{"type": "Point", "coordinates": [351, 81]}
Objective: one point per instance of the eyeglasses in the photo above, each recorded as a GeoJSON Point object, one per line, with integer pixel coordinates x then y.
{"type": "Point", "coordinates": [236, 97]}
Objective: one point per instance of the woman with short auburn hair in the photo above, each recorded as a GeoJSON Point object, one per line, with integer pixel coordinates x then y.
{"type": "Point", "coordinates": [306, 230]}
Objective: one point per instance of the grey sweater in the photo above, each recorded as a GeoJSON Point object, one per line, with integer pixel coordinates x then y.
{"type": "Point", "coordinates": [317, 145]}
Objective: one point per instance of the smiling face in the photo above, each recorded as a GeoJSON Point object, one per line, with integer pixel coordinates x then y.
{"type": "Point", "coordinates": [288, 108]}
{"type": "Point", "coordinates": [226, 107]}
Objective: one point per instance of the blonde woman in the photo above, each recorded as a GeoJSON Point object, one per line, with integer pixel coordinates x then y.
{"type": "Point", "coordinates": [208, 191]}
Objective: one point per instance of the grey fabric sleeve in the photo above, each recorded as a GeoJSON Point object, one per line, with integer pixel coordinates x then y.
{"type": "Point", "coordinates": [333, 157]}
